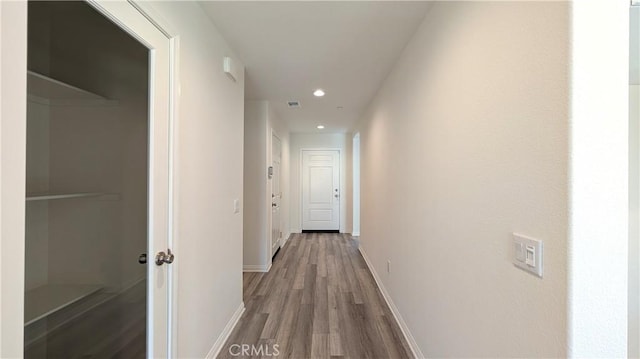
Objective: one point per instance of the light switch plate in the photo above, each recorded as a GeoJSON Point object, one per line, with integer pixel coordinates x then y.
{"type": "Point", "coordinates": [519, 251]}
{"type": "Point", "coordinates": [236, 206]}
{"type": "Point", "coordinates": [527, 254]}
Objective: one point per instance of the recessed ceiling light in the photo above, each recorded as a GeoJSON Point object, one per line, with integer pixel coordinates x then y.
{"type": "Point", "coordinates": [320, 127]}
{"type": "Point", "coordinates": [318, 93]}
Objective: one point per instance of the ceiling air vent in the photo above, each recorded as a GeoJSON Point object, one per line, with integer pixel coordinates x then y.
{"type": "Point", "coordinates": [293, 104]}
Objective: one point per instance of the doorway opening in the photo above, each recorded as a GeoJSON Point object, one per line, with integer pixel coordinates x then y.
{"type": "Point", "coordinates": [86, 220]}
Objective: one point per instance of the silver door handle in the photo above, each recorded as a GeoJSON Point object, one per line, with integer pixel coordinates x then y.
{"type": "Point", "coordinates": [162, 257]}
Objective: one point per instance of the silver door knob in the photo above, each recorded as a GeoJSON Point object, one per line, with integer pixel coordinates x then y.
{"type": "Point", "coordinates": [162, 257]}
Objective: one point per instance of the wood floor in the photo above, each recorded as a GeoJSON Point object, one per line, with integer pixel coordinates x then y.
{"type": "Point", "coordinates": [116, 328]}
{"type": "Point", "coordinates": [319, 300]}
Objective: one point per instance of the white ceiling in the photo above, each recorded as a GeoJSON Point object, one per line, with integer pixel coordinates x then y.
{"type": "Point", "coordinates": [291, 48]}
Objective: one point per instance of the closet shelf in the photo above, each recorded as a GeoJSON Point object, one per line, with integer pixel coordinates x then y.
{"type": "Point", "coordinates": [49, 298]}
{"type": "Point", "coordinates": [48, 91]}
{"type": "Point", "coordinates": [52, 196]}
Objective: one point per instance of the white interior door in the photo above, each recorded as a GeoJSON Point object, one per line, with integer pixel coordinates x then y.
{"type": "Point", "coordinates": [321, 190]}
{"type": "Point", "coordinates": [13, 19]}
{"type": "Point", "coordinates": [276, 194]}
{"type": "Point", "coordinates": [158, 307]}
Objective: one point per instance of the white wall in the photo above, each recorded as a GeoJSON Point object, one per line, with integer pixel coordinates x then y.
{"type": "Point", "coordinates": [340, 141]}
{"type": "Point", "coordinates": [260, 120]}
{"type": "Point", "coordinates": [209, 167]}
{"type": "Point", "coordinates": [466, 142]}
{"type": "Point", "coordinates": [255, 224]}
{"type": "Point", "coordinates": [598, 185]}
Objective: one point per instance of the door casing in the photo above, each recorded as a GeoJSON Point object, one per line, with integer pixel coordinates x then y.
{"type": "Point", "coordinates": [271, 200]}
{"type": "Point", "coordinates": [130, 17]}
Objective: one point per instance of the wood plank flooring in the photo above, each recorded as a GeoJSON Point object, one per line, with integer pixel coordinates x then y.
{"type": "Point", "coordinates": [115, 328]}
{"type": "Point", "coordinates": [319, 300]}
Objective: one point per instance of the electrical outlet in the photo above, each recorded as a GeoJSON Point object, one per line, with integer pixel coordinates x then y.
{"type": "Point", "coordinates": [388, 266]}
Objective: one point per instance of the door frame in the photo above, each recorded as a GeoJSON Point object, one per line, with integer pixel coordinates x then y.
{"type": "Point", "coordinates": [13, 68]}
{"type": "Point", "coordinates": [273, 133]}
{"type": "Point", "coordinates": [173, 242]}
{"type": "Point", "coordinates": [13, 117]}
{"type": "Point", "coordinates": [355, 187]}
{"type": "Point", "coordinates": [341, 177]}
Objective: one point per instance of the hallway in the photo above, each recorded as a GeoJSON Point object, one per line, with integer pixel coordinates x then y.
{"type": "Point", "coordinates": [319, 300]}
{"type": "Point", "coordinates": [480, 161]}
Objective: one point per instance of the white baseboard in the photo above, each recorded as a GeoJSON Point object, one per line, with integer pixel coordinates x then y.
{"type": "Point", "coordinates": [217, 346]}
{"type": "Point", "coordinates": [417, 353]}
{"type": "Point", "coordinates": [355, 234]}
{"type": "Point", "coordinates": [256, 268]}
{"type": "Point", "coordinates": [285, 240]}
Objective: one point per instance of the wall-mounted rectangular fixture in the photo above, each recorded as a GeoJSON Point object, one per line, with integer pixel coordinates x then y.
{"type": "Point", "coordinates": [528, 254]}
{"type": "Point", "coordinates": [293, 104]}
{"type": "Point", "coordinates": [230, 68]}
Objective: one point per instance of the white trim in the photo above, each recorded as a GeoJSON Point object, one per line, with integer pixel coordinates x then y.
{"type": "Point", "coordinates": [355, 184]}
{"type": "Point", "coordinates": [256, 268]}
{"type": "Point", "coordinates": [172, 240]}
{"type": "Point", "coordinates": [1, 164]}
{"type": "Point", "coordinates": [13, 116]}
{"type": "Point", "coordinates": [217, 346]}
{"type": "Point", "coordinates": [355, 234]}
{"type": "Point", "coordinates": [148, 10]}
{"type": "Point", "coordinates": [415, 349]}
{"type": "Point", "coordinates": [270, 252]}
{"type": "Point", "coordinates": [285, 240]}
